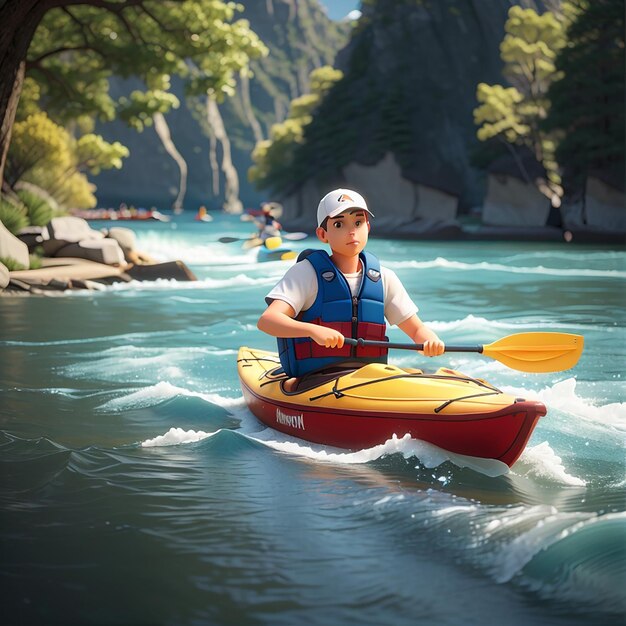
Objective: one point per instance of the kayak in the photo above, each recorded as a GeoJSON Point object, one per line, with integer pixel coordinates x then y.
{"type": "Point", "coordinates": [277, 254]}
{"type": "Point", "coordinates": [362, 407]}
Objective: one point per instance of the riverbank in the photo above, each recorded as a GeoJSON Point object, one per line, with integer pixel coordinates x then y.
{"type": "Point", "coordinates": [61, 274]}
{"type": "Point", "coordinates": [503, 233]}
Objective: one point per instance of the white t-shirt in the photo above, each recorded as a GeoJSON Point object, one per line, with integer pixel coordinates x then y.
{"type": "Point", "coordinates": [298, 288]}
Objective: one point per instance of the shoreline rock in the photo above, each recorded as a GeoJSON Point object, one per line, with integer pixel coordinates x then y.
{"type": "Point", "coordinates": [61, 274]}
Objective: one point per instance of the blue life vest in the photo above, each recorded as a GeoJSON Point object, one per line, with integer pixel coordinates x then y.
{"type": "Point", "coordinates": [353, 316]}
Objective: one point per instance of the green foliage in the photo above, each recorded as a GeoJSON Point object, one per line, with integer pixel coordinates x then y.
{"type": "Point", "coordinates": [78, 47]}
{"type": "Point", "coordinates": [197, 39]}
{"type": "Point", "coordinates": [588, 101]}
{"type": "Point", "coordinates": [34, 261]}
{"type": "Point", "coordinates": [12, 216]}
{"type": "Point", "coordinates": [11, 264]}
{"type": "Point", "coordinates": [46, 154]}
{"type": "Point", "coordinates": [514, 114]}
{"type": "Point", "coordinates": [38, 210]}
{"type": "Point", "coordinates": [93, 154]}
{"type": "Point", "coordinates": [529, 49]}
{"type": "Point", "coordinates": [139, 108]}
{"type": "Point", "coordinates": [36, 140]}
{"type": "Point", "coordinates": [273, 157]}
{"type": "Point", "coordinates": [498, 113]}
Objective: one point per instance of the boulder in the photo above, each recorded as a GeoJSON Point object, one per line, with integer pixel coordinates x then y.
{"type": "Point", "coordinates": [33, 236]}
{"type": "Point", "coordinates": [105, 251]}
{"type": "Point", "coordinates": [511, 201]}
{"type": "Point", "coordinates": [394, 200]}
{"type": "Point", "coordinates": [12, 248]}
{"type": "Point", "coordinates": [605, 206]}
{"type": "Point", "coordinates": [71, 236]}
{"type": "Point", "coordinates": [66, 230]}
{"type": "Point", "coordinates": [175, 270]}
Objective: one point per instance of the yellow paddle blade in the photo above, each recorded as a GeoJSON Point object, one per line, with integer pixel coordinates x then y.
{"type": "Point", "coordinates": [271, 243]}
{"type": "Point", "coordinates": [537, 352]}
{"type": "Point", "coordinates": [289, 255]}
{"type": "Point", "coordinates": [253, 242]}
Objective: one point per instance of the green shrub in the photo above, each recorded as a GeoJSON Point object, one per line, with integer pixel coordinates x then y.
{"type": "Point", "coordinates": [39, 211]}
{"type": "Point", "coordinates": [35, 261]}
{"type": "Point", "coordinates": [13, 217]}
{"type": "Point", "coordinates": [11, 264]}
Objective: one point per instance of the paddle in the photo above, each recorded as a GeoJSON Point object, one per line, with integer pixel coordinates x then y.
{"type": "Point", "coordinates": [525, 352]}
{"type": "Point", "coordinates": [287, 236]}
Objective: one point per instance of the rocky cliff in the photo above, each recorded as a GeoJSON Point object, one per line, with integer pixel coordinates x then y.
{"type": "Point", "coordinates": [404, 111]}
{"type": "Point", "coordinates": [300, 38]}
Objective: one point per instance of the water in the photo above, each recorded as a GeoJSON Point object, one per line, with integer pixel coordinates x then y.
{"type": "Point", "coordinates": [137, 488]}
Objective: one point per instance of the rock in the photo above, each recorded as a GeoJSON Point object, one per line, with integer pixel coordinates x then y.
{"type": "Point", "coordinates": [175, 270]}
{"type": "Point", "coordinates": [514, 202]}
{"type": "Point", "coordinates": [394, 201]}
{"type": "Point", "coordinates": [605, 206]}
{"type": "Point", "coordinates": [33, 236]}
{"type": "Point", "coordinates": [105, 251]}
{"type": "Point", "coordinates": [12, 248]}
{"type": "Point", "coordinates": [71, 236]}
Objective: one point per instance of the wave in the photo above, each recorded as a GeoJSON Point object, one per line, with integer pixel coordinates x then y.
{"type": "Point", "coordinates": [570, 256]}
{"type": "Point", "coordinates": [240, 280]}
{"type": "Point", "coordinates": [126, 337]}
{"type": "Point", "coordinates": [541, 462]}
{"type": "Point", "coordinates": [585, 565]}
{"type": "Point", "coordinates": [562, 396]}
{"type": "Point", "coordinates": [143, 364]}
{"type": "Point", "coordinates": [484, 325]}
{"type": "Point", "coordinates": [441, 263]}
{"type": "Point", "coordinates": [161, 392]}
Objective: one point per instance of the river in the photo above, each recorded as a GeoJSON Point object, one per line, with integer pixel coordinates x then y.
{"type": "Point", "coordinates": [138, 489]}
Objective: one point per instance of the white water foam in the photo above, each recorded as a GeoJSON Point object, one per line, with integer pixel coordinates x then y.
{"type": "Point", "coordinates": [441, 263]}
{"type": "Point", "coordinates": [162, 391]}
{"type": "Point", "coordinates": [562, 396]}
{"type": "Point", "coordinates": [429, 455]}
{"type": "Point", "coordinates": [483, 325]}
{"type": "Point", "coordinates": [176, 436]}
{"type": "Point", "coordinates": [541, 462]}
{"type": "Point", "coordinates": [572, 256]}
{"type": "Point", "coordinates": [172, 246]}
{"type": "Point", "coordinates": [162, 284]}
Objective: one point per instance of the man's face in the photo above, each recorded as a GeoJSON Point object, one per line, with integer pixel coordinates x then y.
{"type": "Point", "coordinates": [346, 233]}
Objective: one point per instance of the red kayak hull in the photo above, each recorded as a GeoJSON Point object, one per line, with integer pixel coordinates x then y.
{"type": "Point", "coordinates": [500, 435]}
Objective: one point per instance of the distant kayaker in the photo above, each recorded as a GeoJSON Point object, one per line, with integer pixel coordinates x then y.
{"type": "Point", "coordinates": [268, 225]}
{"type": "Point", "coordinates": [322, 299]}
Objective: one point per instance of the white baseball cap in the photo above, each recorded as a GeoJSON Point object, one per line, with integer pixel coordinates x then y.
{"type": "Point", "coordinates": [338, 201]}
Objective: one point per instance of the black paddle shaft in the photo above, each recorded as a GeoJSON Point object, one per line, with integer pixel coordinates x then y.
{"type": "Point", "coordinates": [408, 346]}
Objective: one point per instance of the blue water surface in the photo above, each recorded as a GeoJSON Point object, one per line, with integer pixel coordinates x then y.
{"type": "Point", "coordinates": [136, 487]}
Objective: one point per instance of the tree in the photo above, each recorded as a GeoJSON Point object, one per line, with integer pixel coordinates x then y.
{"type": "Point", "coordinates": [46, 154]}
{"type": "Point", "coordinates": [513, 115]}
{"type": "Point", "coordinates": [149, 39]}
{"type": "Point", "coordinates": [274, 156]}
{"type": "Point", "coordinates": [588, 101]}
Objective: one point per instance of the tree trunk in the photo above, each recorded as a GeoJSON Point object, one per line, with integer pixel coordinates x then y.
{"type": "Point", "coordinates": [163, 131]}
{"type": "Point", "coordinates": [232, 203]}
{"type": "Point", "coordinates": [18, 22]}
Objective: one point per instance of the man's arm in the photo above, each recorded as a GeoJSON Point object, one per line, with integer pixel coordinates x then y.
{"type": "Point", "coordinates": [420, 333]}
{"type": "Point", "coordinates": [278, 321]}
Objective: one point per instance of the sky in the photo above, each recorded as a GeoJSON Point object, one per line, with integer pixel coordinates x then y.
{"type": "Point", "coordinates": [337, 9]}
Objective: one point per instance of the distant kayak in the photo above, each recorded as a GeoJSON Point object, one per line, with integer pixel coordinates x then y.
{"type": "Point", "coordinates": [366, 406]}
{"type": "Point", "coordinates": [121, 214]}
{"type": "Point", "coordinates": [278, 254]}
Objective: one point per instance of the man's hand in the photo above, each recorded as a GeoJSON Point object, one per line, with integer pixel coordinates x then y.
{"type": "Point", "coordinates": [327, 337]}
{"type": "Point", "coordinates": [433, 347]}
